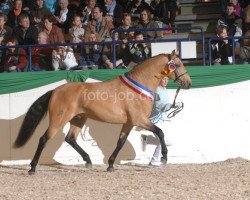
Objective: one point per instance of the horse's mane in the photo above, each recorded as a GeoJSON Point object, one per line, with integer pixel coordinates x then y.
{"type": "Point", "coordinates": [144, 68]}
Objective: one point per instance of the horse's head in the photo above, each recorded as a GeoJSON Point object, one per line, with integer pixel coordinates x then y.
{"type": "Point", "coordinates": [179, 74]}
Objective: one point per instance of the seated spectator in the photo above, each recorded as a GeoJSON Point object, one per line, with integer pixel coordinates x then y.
{"type": "Point", "coordinates": [64, 15]}
{"type": "Point", "coordinates": [76, 31]}
{"type": "Point", "coordinates": [13, 59]}
{"type": "Point", "coordinates": [114, 11]}
{"type": "Point", "coordinates": [246, 21]}
{"type": "Point", "coordinates": [16, 11]}
{"type": "Point", "coordinates": [38, 13]}
{"type": "Point", "coordinates": [87, 12]}
{"type": "Point", "coordinates": [139, 51]}
{"type": "Point", "coordinates": [55, 33]}
{"type": "Point", "coordinates": [126, 24]}
{"type": "Point", "coordinates": [41, 56]}
{"type": "Point", "coordinates": [51, 5]}
{"type": "Point", "coordinates": [63, 58]}
{"type": "Point", "coordinates": [99, 25]}
{"type": "Point", "coordinates": [135, 7]}
{"type": "Point", "coordinates": [233, 22]}
{"type": "Point", "coordinates": [25, 32]}
{"type": "Point", "coordinates": [159, 11]}
{"type": "Point", "coordinates": [171, 8]}
{"type": "Point", "coordinates": [237, 7]}
{"type": "Point", "coordinates": [92, 55]}
{"type": "Point", "coordinates": [5, 31]}
{"type": "Point", "coordinates": [221, 49]}
{"type": "Point", "coordinates": [125, 36]}
{"type": "Point", "coordinates": [6, 6]}
{"type": "Point", "coordinates": [147, 22]}
{"type": "Point", "coordinates": [245, 50]}
{"type": "Point", "coordinates": [108, 53]}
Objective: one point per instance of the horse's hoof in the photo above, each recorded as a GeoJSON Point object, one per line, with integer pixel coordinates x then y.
{"type": "Point", "coordinates": [88, 165]}
{"type": "Point", "coordinates": [31, 172]}
{"type": "Point", "coordinates": [163, 161]}
{"type": "Point", "coordinates": [110, 169]}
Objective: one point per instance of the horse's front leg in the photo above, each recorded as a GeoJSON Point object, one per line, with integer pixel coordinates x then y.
{"type": "Point", "coordinates": [121, 141]}
{"type": "Point", "coordinates": [157, 131]}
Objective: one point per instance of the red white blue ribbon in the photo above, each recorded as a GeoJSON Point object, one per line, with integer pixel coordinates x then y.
{"type": "Point", "coordinates": [137, 87]}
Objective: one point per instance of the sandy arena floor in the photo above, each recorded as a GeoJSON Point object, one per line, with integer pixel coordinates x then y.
{"type": "Point", "coordinates": [222, 180]}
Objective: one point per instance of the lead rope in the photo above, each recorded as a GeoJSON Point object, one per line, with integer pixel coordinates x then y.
{"type": "Point", "coordinates": [176, 108]}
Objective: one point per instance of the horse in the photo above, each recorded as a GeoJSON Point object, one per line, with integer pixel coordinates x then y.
{"type": "Point", "coordinates": [127, 100]}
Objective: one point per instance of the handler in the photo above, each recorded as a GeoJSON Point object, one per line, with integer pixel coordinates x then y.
{"type": "Point", "coordinates": [159, 118]}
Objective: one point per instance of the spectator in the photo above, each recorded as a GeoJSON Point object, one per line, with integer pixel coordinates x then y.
{"type": "Point", "coordinates": [5, 31]}
{"type": "Point", "coordinates": [108, 53]}
{"type": "Point", "coordinates": [233, 23]}
{"type": "Point", "coordinates": [51, 5]}
{"type": "Point", "coordinates": [221, 49]}
{"type": "Point", "coordinates": [5, 6]}
{"type": "Point", "coordinates": [125, 36]}
{"type": "Point", "coordinates": [171, 8]}
{"type": "Point", "coordinates": [55, 33]}
{"type": "Point", "coordinates": [136, 7]}
{"type": "Point", "coordinates": [147, 22]}
{"type": "Point", "coordinates": [38, 13]}
{"type": "Point", "coordinates": [99, 25]}
{"type": "Point", "coordinates": [76, 31]}
{"type": "Point", "coordinates": [15, 13]}
{"type": "Point", "coordinates": [126, 24]}
{"type": "Point", "coordinates": [13, 59]}
{"type": "Point", "coordinates": [237, 7]}
{"type": "Point", "coordinates": [245, 50]}
{"type": "Point", "coordinates": [246, 21]}
{"type": "Point", "coordinates": [87, 12]}
{"type": "Point", "coordinates": [92, 55]}
{"type": "Point", "coordinates": [139, 51]}
{"type": "Point", "coordinates": [63, 58]}
{"type": "Point", "coordinates": [25, 32]}
{"type": "Point", "coordinates": [41, 56]}
{"type": "Point", "coordinates": [159, 11]}
{"type": "Point", "coordinates": [114, 12]}
{"type": "Point", "coordinates": [64, 15]}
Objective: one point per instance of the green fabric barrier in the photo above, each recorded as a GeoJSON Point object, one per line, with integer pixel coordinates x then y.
{"type": "Point", "coordinates": [202, 76]}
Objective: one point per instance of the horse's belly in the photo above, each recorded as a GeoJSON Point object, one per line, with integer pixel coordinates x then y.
{"type": "Point", "coordinates": [106, 113]}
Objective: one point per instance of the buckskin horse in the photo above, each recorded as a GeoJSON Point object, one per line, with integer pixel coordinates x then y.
{"type": "Point", "coordinates": [127, 100]}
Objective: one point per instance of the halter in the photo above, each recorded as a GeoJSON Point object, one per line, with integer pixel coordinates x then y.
{"type": "Point", "coordinates": [137, 87]}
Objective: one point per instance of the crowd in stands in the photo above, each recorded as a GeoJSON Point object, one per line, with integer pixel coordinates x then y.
{"type": "Point", "coordinates": [234, 22]}
{"type": "Point", "coordinates": [28, 22]}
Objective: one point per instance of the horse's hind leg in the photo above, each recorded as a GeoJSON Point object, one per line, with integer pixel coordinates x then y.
{"type": "Point", "coordinates": [121, 141]}
{"type": "Point", "coordinates": [76, 125]}
{"type": "Point", "coordinates": [42, 142]}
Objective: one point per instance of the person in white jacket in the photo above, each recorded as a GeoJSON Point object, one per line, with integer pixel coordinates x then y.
{"type": "Point", "coordinates": [63, 58]}
{"type": "Point", "coordinates": [158, 117]}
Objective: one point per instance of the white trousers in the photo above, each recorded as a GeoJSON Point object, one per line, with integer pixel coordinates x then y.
{"type": "Point", "coordinates": [154, 140]}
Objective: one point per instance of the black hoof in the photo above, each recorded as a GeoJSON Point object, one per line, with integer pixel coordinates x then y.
{"type": "Point", "coordinates": [163, 161]}
{"type": "Point", "coordinates": [110, 169]}
{"type": "Point", "coordinates": [31, 172]}
{"type": "Point", "coordinates": [88, 165]}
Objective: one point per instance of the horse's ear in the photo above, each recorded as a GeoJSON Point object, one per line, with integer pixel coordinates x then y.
{"type": "Point", "coordinates": [177, 52]}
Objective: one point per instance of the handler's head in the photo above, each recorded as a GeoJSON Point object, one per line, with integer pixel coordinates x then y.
{"type": "Point", "coordinates": [164, 81]}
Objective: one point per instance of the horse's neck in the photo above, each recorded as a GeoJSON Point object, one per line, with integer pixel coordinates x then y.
{"type": "Point", "coordinates": [147, 73]}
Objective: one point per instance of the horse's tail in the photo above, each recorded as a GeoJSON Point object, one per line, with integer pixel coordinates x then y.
{"type": "Point", "coordinates": [33, 117]}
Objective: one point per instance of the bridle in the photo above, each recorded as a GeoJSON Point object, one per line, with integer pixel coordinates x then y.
{"type": "Point", "coordinates": [177, 74]}
{"type": "Point", "coordinates": [177, 108]}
